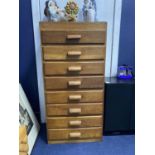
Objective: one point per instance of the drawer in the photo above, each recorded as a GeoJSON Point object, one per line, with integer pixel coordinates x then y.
{"type": "Point", "coordinates": [74, 109]}
{"type": "Point", "coordinates": [56, 97]}
{"type": "Point", "coordinates": [74, 122]}
{"type": "Point", "coordinates": [58, 33]}
{"type": "Point", "coordinates": [74, 68]}
{"type": "Point", "coordinates": [73, 134]}
{"type": "Point", "coordinates": [74, 52]}
{"type": "Point", "coordinates": [89, 82]}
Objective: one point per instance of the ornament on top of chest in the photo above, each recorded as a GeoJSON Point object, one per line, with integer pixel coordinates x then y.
{"type": "Point", "coordinates": [53, 12]}
{"type": "Point", "coordinates": [89, 10]}
{"type": "Point", "coordinates": [72, 10]}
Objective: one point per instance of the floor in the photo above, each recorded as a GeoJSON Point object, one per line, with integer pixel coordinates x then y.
{"type": "Point", "coordinates": [111, 145]}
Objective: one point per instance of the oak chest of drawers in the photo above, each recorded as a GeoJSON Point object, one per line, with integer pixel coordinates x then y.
{"type": "Point", "coordinates": [73, 64]}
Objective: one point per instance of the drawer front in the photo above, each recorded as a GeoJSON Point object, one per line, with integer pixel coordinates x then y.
{"type": "Point", "coordinates": [58, 33]}
{"type": "Point", "coordinates": [74, 122]}
{"type": "Point", "coordinates": [89, 82]}
{"type": "Point", "coordinates": [73, 37]}
{"type": "Point", "coordinates": [74, 68]}
{"type": "Point", "coordinates": [81, 52]}
{"type": "Point", "coordinates": [70, 134]}
{"type": "Point", "coordinates": [56, 97]}
{"type": "Point", "coordinates": [74, 109]}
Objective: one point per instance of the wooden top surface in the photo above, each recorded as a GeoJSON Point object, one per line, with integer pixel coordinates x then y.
{"type": "Point", "coordinates": [73, 26]}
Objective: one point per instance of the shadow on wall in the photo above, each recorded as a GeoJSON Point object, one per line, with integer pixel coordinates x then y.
{"type": "Point", "coordinates": [127, 34]}
{"type": "Point", "coordinates": [27, 63]}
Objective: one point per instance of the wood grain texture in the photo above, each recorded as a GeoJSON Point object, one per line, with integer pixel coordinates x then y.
{"type": "Point", "coordinates": [64, 122]}
{"type": "Point", "coordinates": [57, 97]}
{"type": "Point", "coordinates": [64, 134]}
{"type": "Point", "coordinates": [68, 26]}
{"type": "Point", "coordinates": [83, 109]}
{"type": "Point", "coordinates": [74, 52]}
{"type": "Point", "coordinates": [75, 83]}
{"type": "Point", "coordinates": [58, 37]}
{"type": "Point", "coordinates": [87, 68]}
{"type": "Point", "coordinates": [59, 32]}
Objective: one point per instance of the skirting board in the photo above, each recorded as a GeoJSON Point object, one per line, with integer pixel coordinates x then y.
{"type": "Point", "coordinates": [74, 141]}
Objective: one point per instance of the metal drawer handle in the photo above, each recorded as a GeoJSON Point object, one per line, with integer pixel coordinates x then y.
{"type": "Point", "coordinates": [74, 53]}
{"type": "Point", "coordinates": [74, 83]}
{"type": "Point", "coordinates": [74, 110]}
{"type": "Point", "coordinates": [74, 68]}
{"type": "Point", "coordinates": [74, 36]}
{"type": "Point", "coordinates": [75, 123]}
{"type": "Point", "coordinates": [75, 135]}
{"type": "Point", "coordinates": [75, 97]}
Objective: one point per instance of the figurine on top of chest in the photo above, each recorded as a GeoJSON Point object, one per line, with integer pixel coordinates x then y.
{"type": "Point", "coordinates": [53, 12]}
{"type": "Point", "coordinates": [89, 10]}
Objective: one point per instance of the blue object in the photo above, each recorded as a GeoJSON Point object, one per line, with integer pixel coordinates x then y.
{"type": "Point", "coordinates": [125, 72]}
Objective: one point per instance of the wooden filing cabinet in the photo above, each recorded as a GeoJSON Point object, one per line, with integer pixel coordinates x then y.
{"type": "Point", "coordinates": [73, 64]}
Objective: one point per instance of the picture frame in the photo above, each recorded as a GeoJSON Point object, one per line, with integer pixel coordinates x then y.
{"type": "Point", "coordinates": [27, 118]}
